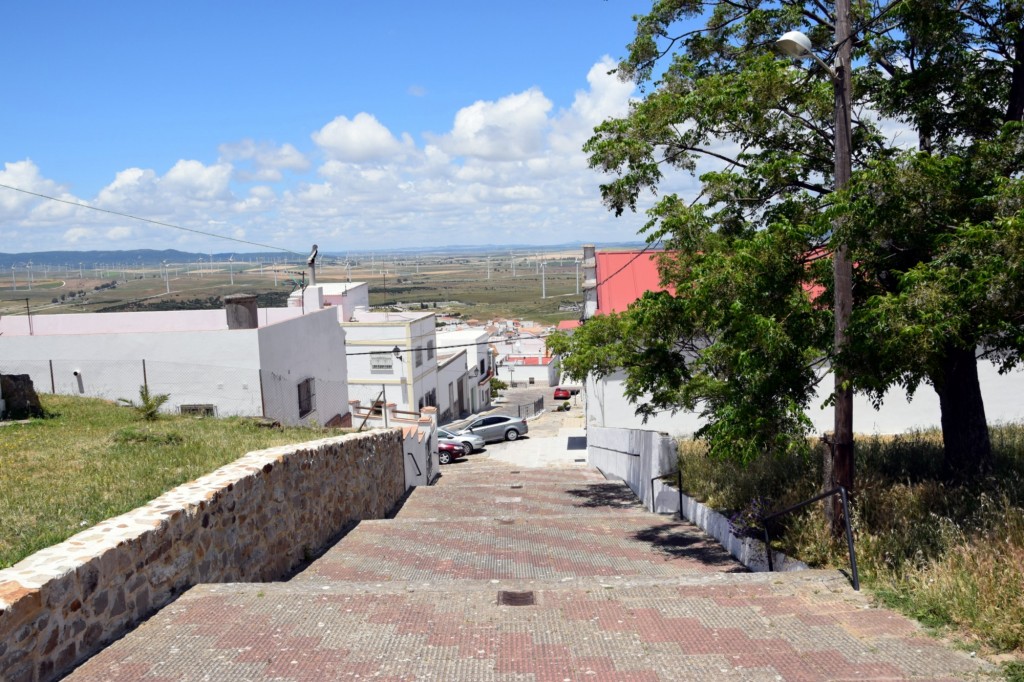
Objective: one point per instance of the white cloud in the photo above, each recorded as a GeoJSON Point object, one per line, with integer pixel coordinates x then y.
{"type": "Point", "coordinates": [514, 127]}
{"type": "Point", "coordinates": [77, 234]}
{"type": "Point", "coordinates": [119, 233]}
{"type": "Point", "coordinates": [510, 169]}
{"type": "Point", "coordinates": [195, 180]}
{"type": "Point", "coordinates": [25, 175]}
{"type": "Point", "coordinates": [263, 162]}
{"type": "Point", "coordinates": [363, 138]}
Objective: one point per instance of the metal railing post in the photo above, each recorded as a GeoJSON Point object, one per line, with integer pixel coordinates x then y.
{"type": "Point", "coordinates": [841, 491]}
{"type": "Point", "coordinates": [849, 538]}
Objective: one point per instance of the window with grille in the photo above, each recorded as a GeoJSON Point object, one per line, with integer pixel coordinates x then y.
{"type": "Point", "coordinates": [307, 397]}
{"type": "Point", "coordinates": [381, 363]}
{"type": "Point", "coordinates": [419, 357]}
{"type": "Point", "coordinates": [430, 350]}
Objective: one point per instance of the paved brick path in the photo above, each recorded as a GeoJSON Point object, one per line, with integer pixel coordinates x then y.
{"type": "Point", "coordinates": [617, 594]}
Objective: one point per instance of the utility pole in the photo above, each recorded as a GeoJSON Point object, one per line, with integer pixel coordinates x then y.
{"type": "Point", "coordinates": [488, 267]}
{"type": "Point", "coordinates": [543, 281]}
{"type": "Point", "coordinates": [577, 276]}
{"type": "Point", "coordinates": [513, 263]}
{"type": "Point", "coordinates": [842, 448]}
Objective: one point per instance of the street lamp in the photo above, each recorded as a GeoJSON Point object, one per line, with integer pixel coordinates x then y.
{"type": "Point", "coordinates": [796, 44]}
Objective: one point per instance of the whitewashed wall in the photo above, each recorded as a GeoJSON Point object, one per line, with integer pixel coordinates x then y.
{"type": "Point", "coordinates": [1004, 402]}
{"type": "Point", "coordinates": [312, 346]}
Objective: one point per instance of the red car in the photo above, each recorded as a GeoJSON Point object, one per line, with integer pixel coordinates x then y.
{"type": "Point", "coordinates": [562, 393]}
{"type": "Point", "coordinates": [446, 452]}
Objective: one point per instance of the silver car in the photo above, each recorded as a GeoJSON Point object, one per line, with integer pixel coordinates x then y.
{"type": "Point", "coordinates": [496, 427]}
{"type": "Point", "coordinates": [470, 442]}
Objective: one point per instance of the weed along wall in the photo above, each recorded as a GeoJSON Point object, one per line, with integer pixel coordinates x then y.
{"type": "Point", "coordinates": [255, 519]}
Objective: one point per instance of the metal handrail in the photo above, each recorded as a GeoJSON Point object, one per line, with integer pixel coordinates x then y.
{"type": "Point", "coordinates": [679, 485]}
{"type": "Point", "coordinates": [415, 464]}
{"type": "Point", "coordinates": [841, 491]}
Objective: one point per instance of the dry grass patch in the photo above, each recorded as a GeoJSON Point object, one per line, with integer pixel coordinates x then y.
{"type": "Point", "coordinates": [948, 554]}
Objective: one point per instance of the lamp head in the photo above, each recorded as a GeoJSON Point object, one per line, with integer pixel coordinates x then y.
{"type": "Point", "coordinates": [794, 44]}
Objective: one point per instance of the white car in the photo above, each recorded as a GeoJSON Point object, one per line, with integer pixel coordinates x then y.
{"type": "Point", "coordinates": [470, 442]}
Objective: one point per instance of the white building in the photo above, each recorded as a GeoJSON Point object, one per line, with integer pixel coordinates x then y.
{"type": "Point", "coordinates": [274, 362]}
{"type": "Point", "coordinates": [394, 354]}
{"type": "Point", "coordinates": [472, 391]}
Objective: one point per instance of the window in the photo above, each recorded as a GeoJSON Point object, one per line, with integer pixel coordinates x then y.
{"type": "Point", "coordinates": [199, 410]}
{"type": "Point", "coordinates": [381, 363]}
{"type": "Point", "coordinates": [419, 357]}
{"type": "Point", "coordinates": [430, 350]}
{"type": "Point", "coordinates": [307, 397]}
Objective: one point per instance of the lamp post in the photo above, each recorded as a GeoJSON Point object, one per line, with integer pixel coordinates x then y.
{"type": "Point", "coordinates": [796, 44]}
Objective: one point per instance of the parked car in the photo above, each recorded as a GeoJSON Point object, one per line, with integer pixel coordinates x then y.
{"type": "Point", "coordinates": [470, 441]}
{"type": "Point", "coordinates": [564, 392]}
{"type": "Point", "coordinates": [496, 427]}
{"type": "Point", "coordinates": [446, 452]}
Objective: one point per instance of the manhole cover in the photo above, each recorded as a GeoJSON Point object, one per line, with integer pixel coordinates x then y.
{"type": "Point", "coordinates": [516, 598]}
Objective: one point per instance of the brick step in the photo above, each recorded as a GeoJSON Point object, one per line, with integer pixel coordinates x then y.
{"type": "Point", "coordinates": [521, 499]}
{"type": "Point", "coordinates": [735, 628]}
{"type": "Point", "coordinates": [535, 547]}
{"type": "Point", "coordinates": [451, 475]}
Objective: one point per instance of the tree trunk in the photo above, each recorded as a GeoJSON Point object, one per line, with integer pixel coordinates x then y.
{"type": "Point", "coordinates": [965, 439]}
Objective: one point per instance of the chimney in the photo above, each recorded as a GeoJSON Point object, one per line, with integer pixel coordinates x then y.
{"type": "Point", "coordinates": [241, 311]}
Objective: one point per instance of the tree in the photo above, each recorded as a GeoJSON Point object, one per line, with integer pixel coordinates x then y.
{"type": "Point", "coordinates": [719, 101]}
{"type": "Point", "coordinates": [149, 404]}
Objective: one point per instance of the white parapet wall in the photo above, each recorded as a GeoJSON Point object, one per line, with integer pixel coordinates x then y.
{"type": "Point", "coordinates": [256, 519]}
{"type": "Point", "coordinates": [641, 458]}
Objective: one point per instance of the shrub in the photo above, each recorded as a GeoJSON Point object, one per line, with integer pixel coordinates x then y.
{"type": "Point", "coordinates": [149, 405]}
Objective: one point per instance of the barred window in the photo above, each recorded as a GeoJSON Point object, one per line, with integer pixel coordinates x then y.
{"type": "Point", "coordinates": [307, 397]}
{"type": "Point", "coordinates": [430, 350]}
{"type": "Point", "coordinates": [381, 363]}
{"type": "Point", "coordinates": [419, 356]}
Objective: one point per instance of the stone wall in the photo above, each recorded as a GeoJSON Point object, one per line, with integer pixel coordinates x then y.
{"type": "Point", "coordinates": [253, 520]}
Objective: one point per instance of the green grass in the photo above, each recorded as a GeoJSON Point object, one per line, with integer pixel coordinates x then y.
{"type": "Point", "coordinates": [950, 555]}
{"type": "Point", "coordinates": [91, 460]}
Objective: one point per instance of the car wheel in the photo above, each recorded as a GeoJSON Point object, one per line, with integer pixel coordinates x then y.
{"type": "Point", "coordinates": [467, 447]}
{"type": "Point", "coordinates": [444, 457]}
{"type": "Point", "coordinates": [511, 434]}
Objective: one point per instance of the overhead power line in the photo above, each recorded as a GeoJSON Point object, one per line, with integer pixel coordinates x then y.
{"type": "Point", "coordinates": [149, 220]}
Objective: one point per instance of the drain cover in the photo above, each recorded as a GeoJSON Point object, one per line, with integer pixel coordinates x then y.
{"type": "Point", "coordinates": [581, 460]}
{"type": "Point", "coordinates": [517, 485]}
{"type": "Point", "coordinates": [514, 472]}
{"type": "Point", "coordinates": [516, 598]}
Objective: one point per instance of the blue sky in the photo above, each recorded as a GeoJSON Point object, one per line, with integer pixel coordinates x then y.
{"type": "Point", "coordinates": [351, 124]}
